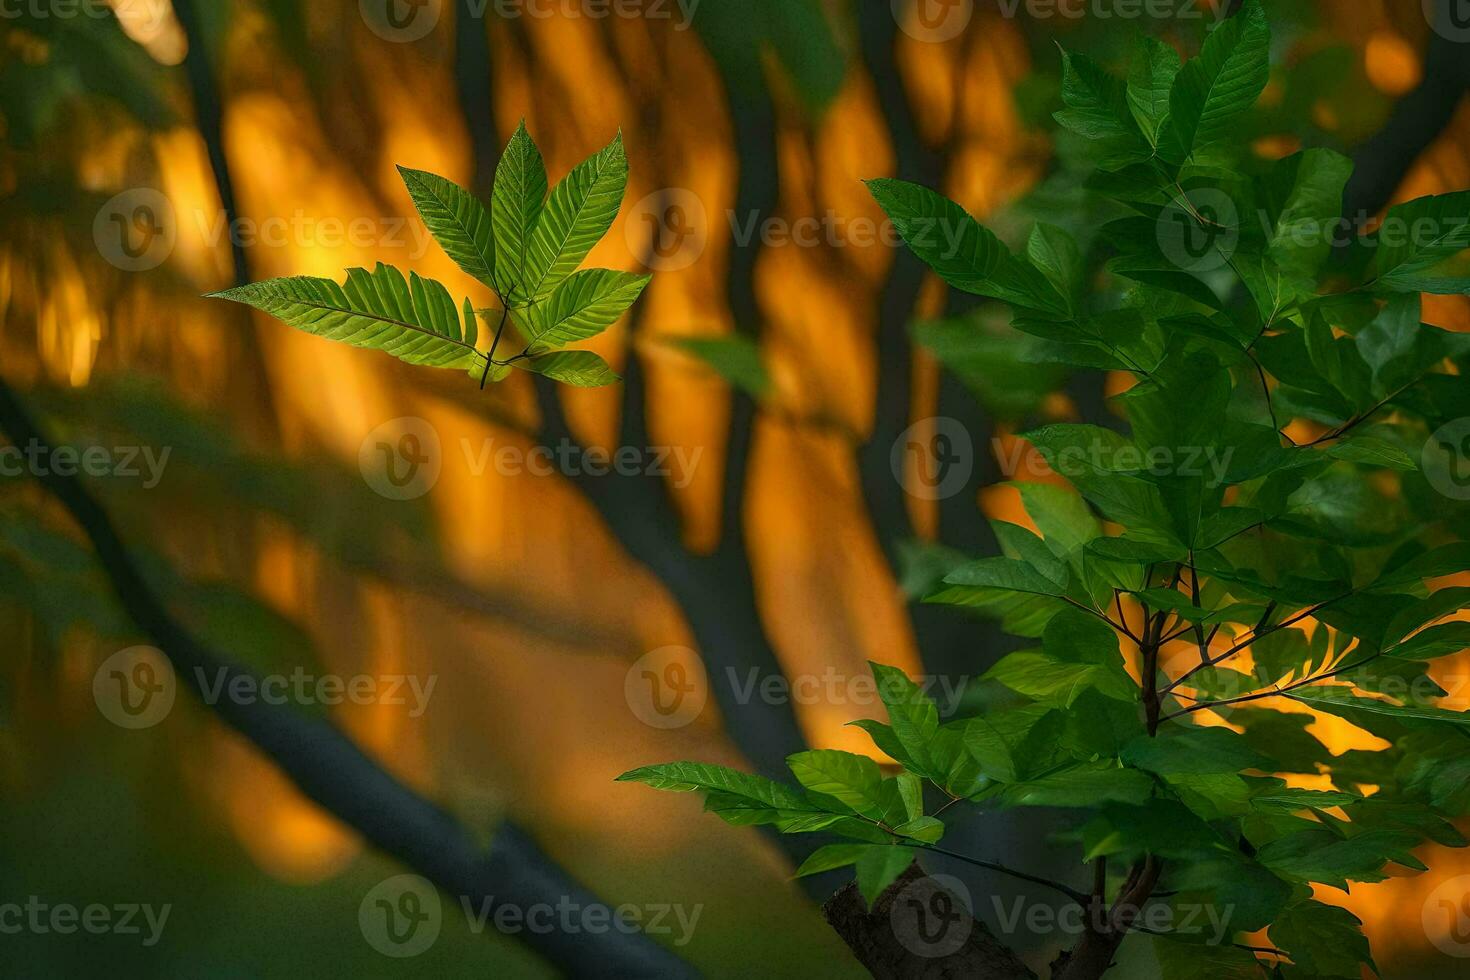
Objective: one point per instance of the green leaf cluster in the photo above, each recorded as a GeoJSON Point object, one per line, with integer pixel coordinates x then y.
{"type": "Point", "coordinates": [1264, 536]}
{"type": "Point", "coordinates": [526, 247]}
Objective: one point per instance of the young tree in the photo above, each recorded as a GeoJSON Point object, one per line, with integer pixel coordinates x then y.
{"type": "Point", "coordinates": [1264, 538]}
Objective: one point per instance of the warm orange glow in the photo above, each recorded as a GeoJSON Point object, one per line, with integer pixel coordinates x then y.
{"type": "Point", "coordinates": [1392, 63]}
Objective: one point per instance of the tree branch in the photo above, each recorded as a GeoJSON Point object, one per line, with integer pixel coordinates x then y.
{"type": "Point", "coordinates": [333, 772]}
{"type": "Point", "coordinates": [1416, 122]}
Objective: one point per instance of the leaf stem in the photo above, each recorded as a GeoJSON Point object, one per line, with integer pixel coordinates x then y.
{"type": "Point", "coordinates": [1057, 886]}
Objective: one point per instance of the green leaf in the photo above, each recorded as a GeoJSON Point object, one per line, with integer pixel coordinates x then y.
{"type": "Point", "coordinates": [1005, 574]}
{"type": "Point", "coordinates": [1084, 785]}
{"type": "Point", "coordinates": [1444, 560]}
{"type": "Point", "coordinates": [1418, 235]}
{"type": "Point", "coordinates": [1054, 252]}
{"type": "Point", "coordinates": [879, 868]}
{"type": "Point", "coordinates": [685, 777]}
{"type": "Point", "coordinates": [1151, 75]}
{"type": "Point", "coordinates": [583, 306]}
{"type": "Point", "coordinates": [1062, 516]}
{"type": "Point", "coordinates": [1323, 940]}
{"type": "Point", "coordinates": [1437, 641]}
{"type": "Point", "coordinates": [963, 252]}
{"type": "Point", "coordinates": [1377, 453]}
{"type": "Point", "coordinates": [1164, 828]}
{"type": "Point", "coordinates": [1321, 856]}
{"type": "Point", "coordinates": [515, 207]}
{"type": "Point", "coordinates": [1215, 89]}
{"type": "Point", "coordinates": [578, 213]}
{"type": "Point", "coordinates": [1012, 746]}
{"type": "Point", "coordinates": [853, 780]}
{"type": "Point", "coordinates": [736, 358]}
{"type": "Point", "coordinates": [1194, 750]}
{"type": "Point", "coordinates": [930, 830]}
{"type": "Point", "coordinates": [1098, 111]}
{"type": "Point", "coordinates": [1304, 197]}
{"type": "Point", "coordinates": [832, 856]}
{"type": "Point", "coordinates": [581, 368]}
{"type": "Point", "coordinates": [1192, 961]}
{"type": "Point", "coordinates": [457, 220]}
{"type": "Point", "coordinates": [415, 321]}
{"type": "Point", "coordinates": [911, 713]}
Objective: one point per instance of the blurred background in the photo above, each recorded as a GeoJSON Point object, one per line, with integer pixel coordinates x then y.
{"type": "Point", "coordinates": [312, 510]}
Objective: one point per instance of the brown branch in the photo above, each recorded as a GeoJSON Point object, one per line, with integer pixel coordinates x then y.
{"type": "Point", "coordinates": [331, 770]}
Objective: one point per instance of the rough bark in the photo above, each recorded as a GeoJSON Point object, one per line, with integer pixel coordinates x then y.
{"type": "Point", "coordinates": [918, 930]}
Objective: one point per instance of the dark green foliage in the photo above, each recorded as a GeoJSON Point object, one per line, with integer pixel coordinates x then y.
{"type": "Point", "coordinates": [1222, 527]}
